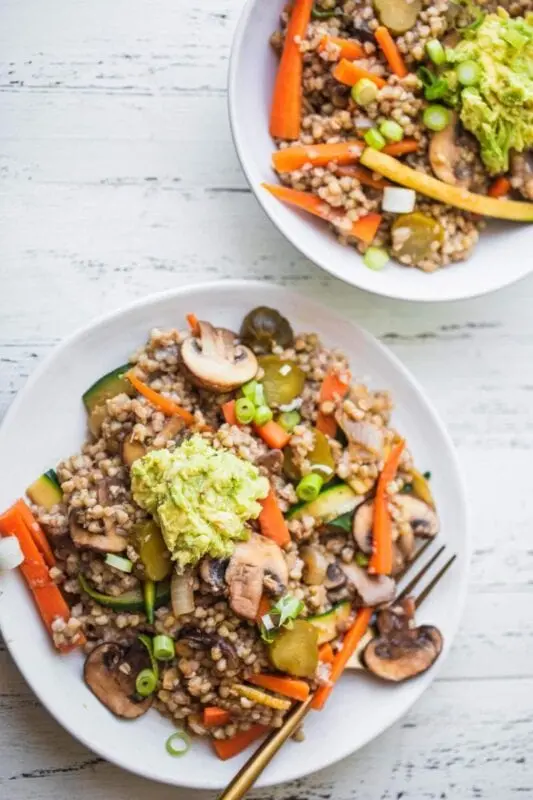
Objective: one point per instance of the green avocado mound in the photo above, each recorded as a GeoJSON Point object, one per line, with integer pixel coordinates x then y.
{"type": "Point", "coordinates": [200, 497]}
{"type": "Point", "coordinates": [498, 110]}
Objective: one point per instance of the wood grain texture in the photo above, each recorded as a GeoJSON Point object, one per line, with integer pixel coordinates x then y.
{"type": "Point", "coordinates": [118, 179]}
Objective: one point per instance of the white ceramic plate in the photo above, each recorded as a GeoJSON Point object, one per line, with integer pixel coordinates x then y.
{"type": "Point", "coordinates": [500, 258]}
{"type": "Point", "coordinates": [47, 422]}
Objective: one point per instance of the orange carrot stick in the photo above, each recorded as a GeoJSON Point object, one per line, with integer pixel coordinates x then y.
{"type": "Point", "coordinates": [264, 607]}
{"type": "Point", "coordinates": [272, 521]}
{"type": "Point", "coordinates": [381, 560]}
{"type": "Point", "coordinates": [319, 208]}
{"type": "Point", "coordinates": [363, 175]}
{"type": "Point", "coordinates": [326, 654]}
{"type": "Point", "coordinates": [365, 228]}
{"type": "Point", "coordinates": [192, 319]}
{"type": "Point", "coordinates": [390, 51]}
{"type": "Point", "coordinates": [286, 112]}
{"type": "Point", "coordinates": [37, 533]}
{"type": "Point", "coordinates": [227, 748]}
{"type": "Point", "coordinates": [350, 642]}
{"type": "Point", "coordinates": [319, 155]}
{"type": "Point", "coordinates": [401, 148]}
{"type": "Point", "coordinates": [349, 73]}
{"type": "Point", "coordinates": [215, 716]}
{"type": "Point", "coordinates": [167, 406]}
{"type": "Point", "coordinates": [48, 599]}
{"type": "Point", "coordinates": [500, 187]}
{"type": "Point", "coordinates": [273, 434]}
{"type": "Point", "coordinates": [347, 48]}
{"type": "Point", "coordinates": [334, 386]}
{"type": "Point", "coordinates": [228, 409]}
{"type": "Point", "coordinates": [288, 687]}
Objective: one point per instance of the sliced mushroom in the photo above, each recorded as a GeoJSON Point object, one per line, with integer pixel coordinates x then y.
{"type": "Point", "coordinates": [213, 572]}
{"type": "Point", "coordinates": [191, 639]}
{"type": "Point", "coordinates": [362, 526]}
{"type": "Point", "coordinates": [401, 652]}
{"type": "Point", "coordinates": [131, 451]}
{"type": "Point", "coordinates": [522, 173]}
{"type": "Point", "coordinates": [451, 157]}
{"type": "Point", "coordinates": [315, 565]}
{"type": "Point", "coordinates": [422, 519]}
{"type": "Point", "coordinates": [271, 461]}
{"type": "Point", "coordinates": [216, 361]}
{"type": "Point", "coordinates": [108, 542]}
{"type": "Point", "coordinates": [256, 564]}
{"type": "Point", "coordinates": [110, 673]}
{"type": "Point", "coordinates": [364, 437]}
{"type": "Point", "coordinates": [372, 589]}
{"type": "Point", "coordinates": [407, 544]}
{"type": "Point", "coordinates": [398, 560]}
{"type": "Point", "coordinates": [335, 577]}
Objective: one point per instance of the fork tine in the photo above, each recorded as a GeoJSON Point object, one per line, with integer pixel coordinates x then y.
{"type": "Point", "coordinates": [420, 574]}
{"type": "Point", "coordinates": [429, 588]}
{"type": "Point", "coordinates": [420, 552]}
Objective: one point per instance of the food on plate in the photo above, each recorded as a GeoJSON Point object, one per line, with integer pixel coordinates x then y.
{"type": "Point", "coordinates": [388, 108]}
{"type": "Point", "coordinates": [222, 542]}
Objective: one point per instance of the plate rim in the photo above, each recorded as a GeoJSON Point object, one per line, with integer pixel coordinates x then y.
{"type": "Point", "coordinates": [243, 284]}
{"type": "Point", "coordinates": [278, 216]}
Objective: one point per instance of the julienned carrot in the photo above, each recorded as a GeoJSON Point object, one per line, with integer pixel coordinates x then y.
{"type": "Point", "coordinates": [167, 406]}
{"type": "Point", "coordinates": [227, 748]}
{"type": "Point", "coordinates": [349, 73]}
{"type": "Point", "coordinates": [215, 716]}
{"type": "Point", "coordinates": [264, 607]}
{"type": "Point", "coordinates": [350, 642]}
{"type": "Point", "coordinates": [37, 533]}
{"type": "Point", "coordinates": [390, 51]}
{"type": "Point", "coordinates": [319, 155]}
{"type": "Point", "coordinates": [363, 175]}
{"type": "Point", "coordinates": [326, 654]}
{"type": "Point", "coordinates": [288, 687]}
{"type": "Point", "coordinates": [273, 434]}
{"type": "Point", "coordinates": [272, 522]}
{"type": "Point", "coordinates": [192, 319]}
{"type": "Point", "coordinates": [48, 599]}
{"type": "Point", "coordinates": [313, 204]}
{"type": "Point", "coordinates": [334, 386]}
{"type": "Point", "coordinates": [382, 560]}
{"type": "Point", "coordinates": [500, 187]}
{"type": "Point", "coordinates": [402, 148]}
{"type": "Point", "coordinates": [346, 48]}
{"type": "Point", "coordinates": [228, 409]}
{"type": "Point", "coordinates": [286, 112]}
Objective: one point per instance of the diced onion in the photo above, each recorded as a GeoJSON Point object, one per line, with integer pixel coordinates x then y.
{"type": "Point", "coordinates": [11, 556]}
{"type": "Point", "coordinates": [398, 200]}
{"type": "Point", "coordinates": [364, 434]}
{"type": "Point", "coordinates": [182, 594]}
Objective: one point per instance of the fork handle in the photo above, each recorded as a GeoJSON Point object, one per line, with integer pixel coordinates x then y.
{"type": "Point", "coordinates": [249, 772]}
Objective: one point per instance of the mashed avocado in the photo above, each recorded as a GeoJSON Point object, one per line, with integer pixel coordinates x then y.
{"type": "Point", "coordinates": [498, 110]}
{"type": "Point", "coordinates": [201, 497]}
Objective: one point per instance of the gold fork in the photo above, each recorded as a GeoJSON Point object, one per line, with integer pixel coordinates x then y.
{"type": "Point", "coordinates": [258, 761]}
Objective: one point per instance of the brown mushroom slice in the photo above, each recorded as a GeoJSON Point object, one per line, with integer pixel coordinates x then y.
{"type": "Point", "coordinates": [110, 673]}
{"type": "Point", "coordinates": [108, 542]}
{"type": "Point", "coordinates": [271, 461]}
{"type": "Point", "coordinates": [216, 361]}
{"type": "Point", "coordinates": [315, 565]}
{"type": "Point", "coordinates": [335, 577]}
{"type": "Point", "coordinates": [522, 173]}
{"type": "Point", "coordinates": [374, 590]}
{"type": "Point", "coordinates": [213, 572]}
{"type": "Point", "coordinates": [192, 639]}
{"type": "Point", "coordinates": [447, 156]}
{"type": "Point", "coordinates": [256, 564]}
{"type": "Point", "coordinates": [403, 654]}
{"type": "Point", "coordinates": [131, 451]}
{"type": "Point", "coordinates": [362, 526]}
{"type": "Point", "coordinates": [422, 519]}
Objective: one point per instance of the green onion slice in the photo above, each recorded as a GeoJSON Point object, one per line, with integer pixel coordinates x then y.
{"type": "Point", "coordinates": [263, 414]}
{"type": "Point", "coordinates": [145, 683]}
{"type": "Point", "coordinates": [147, 642]}
{"type": "Point", "coordinates": [163, 647]}
{"type": "Point", "coordinates": [391, 130]}
{"type": "Point", "coordinates": [122, 564]}
{"type": "Point", "coordinates": [374, 139]}
{"type": "Point", "coordinates": [309, 487]}
{"type": "Point", "coordinates": [436, 118]}
{"type": "Point", "coordinates": [375, 258]}
{"type": "Point", "coordinates": [468, 73]}
{"type": "Point", "coordinates": [289, 420]}
{"type": "Point", "coordinates": [183, 746]}
{"type": "Point", "coordinates": [436, 52]}
{"type": "Point", "coordinates": [244, 410]}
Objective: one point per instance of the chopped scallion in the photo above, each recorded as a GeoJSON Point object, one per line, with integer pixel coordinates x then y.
{"type": "Point", "coordinates": [468, 73]}
{"type": "Point", "coordinates": [436, 118]}
{"type": "Point", "coordinates": [122, 564]}
{"type": "Point", "coordinates": [375, 258]}
{"type": "Point", "coordinates": [309, 487]}
{"type": "Point", "coordinates": [392, 131]}
{"type": "Point", "coordinates": [183, 746]}
{"type": "Point", "coordinates": [262, 415]}
{"type": "Point", "coordinates": [244, 410]}
{"type": "Point", "coordinates": [436, 52]}
{"type": "Point", "coordinates": [374, 139]}
{"type": "Point", "coordinates": [364, 92]}
{"type": "Point", "coordinates": [164, 648]}
{"type": "Point", "coordinates": [289, 420]}
{"type": "Point", "coordinates": [145, 683]}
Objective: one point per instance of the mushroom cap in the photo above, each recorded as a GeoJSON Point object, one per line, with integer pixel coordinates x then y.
{"type": "Point", "coordinates": [422, 518]}
{"type": "Point", "coordinates": [111, 685]}
{"type": "Point", "coordinates": [213, 572]}
{"type": "Point", "coordinates": [522, 173]}
{"type": "Point", "coordinates": [255, 564]}
{"type": "Point", "coordinates": [372, 589]}
{"type": "Point", "coordinates": [108, 542]}
{"type": "Point", "coordinates": [446, 156]}
{"type": "Point", "coordinates": [404, 653]}
{"type": "Point", "coordinates": [216, 361]}
{"type": "Point", "coordinates": [362, 526]}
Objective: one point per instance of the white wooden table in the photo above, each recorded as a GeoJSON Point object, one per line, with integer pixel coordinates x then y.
{"type": "Point", "coordinates": [118, 179]}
